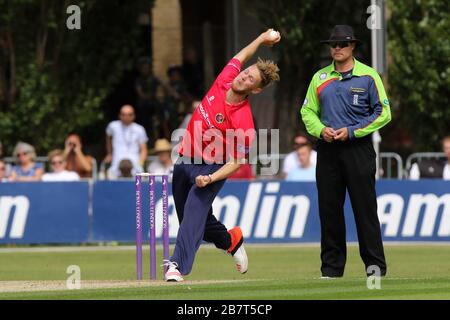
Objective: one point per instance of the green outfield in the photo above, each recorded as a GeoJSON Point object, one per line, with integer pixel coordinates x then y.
{"type": "Point", "coordinates": [275, 272]}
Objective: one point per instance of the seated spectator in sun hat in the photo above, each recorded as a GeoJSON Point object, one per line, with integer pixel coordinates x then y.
{"type": "Point", "coordinates": [164, 163]}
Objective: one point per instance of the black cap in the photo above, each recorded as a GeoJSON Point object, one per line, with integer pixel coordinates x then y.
{"type": "Point", "coordinates": [342, 33]}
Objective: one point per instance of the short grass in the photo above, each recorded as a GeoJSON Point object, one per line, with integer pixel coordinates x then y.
{"type": "Point", "coordinates": [275, 272]}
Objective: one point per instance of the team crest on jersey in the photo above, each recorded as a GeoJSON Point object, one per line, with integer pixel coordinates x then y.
{"type": "Point", "coordinates": [323, 76]}
{"type": "Point", "coordinates": [219, 118]}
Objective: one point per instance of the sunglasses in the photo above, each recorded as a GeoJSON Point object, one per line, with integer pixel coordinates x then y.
{"type": "Point", "coordinates": [57, 162]}
{"type": "Point", "coordinates": [343, 44]}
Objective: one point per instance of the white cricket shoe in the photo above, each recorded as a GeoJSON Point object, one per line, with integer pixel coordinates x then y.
{"type": "Point", "coordinates": [237, 250]}
{"type": "Point", "coordinates": [241, 260]}
{"type": "Point", "coordinates": [172, 274]}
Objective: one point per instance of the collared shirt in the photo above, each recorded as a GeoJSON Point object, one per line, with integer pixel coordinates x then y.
{"type": "Point", "coordinates": [358, 101]}
{"type": "Point", "coordinates": [206, 134]}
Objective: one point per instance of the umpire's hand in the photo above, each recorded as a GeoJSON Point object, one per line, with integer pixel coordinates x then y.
{"type": "Point", "coordinates": [341, 134]}
{"type": "Point", "coordinates": [328, 134]}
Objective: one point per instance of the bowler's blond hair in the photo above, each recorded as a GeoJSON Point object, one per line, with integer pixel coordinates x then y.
{"type": "Point", "coordinates": [269, 72]}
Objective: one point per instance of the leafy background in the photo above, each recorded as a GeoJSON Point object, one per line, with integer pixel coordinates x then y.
{"type": "Point", "coordinates": [53, 81]}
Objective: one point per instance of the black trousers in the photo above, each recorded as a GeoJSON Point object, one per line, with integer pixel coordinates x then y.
{"type": "Point", "coordinates": [348, 166]}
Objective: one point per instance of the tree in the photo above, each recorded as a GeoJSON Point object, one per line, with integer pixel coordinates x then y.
{"type": "Point", "coordinates": [302, 25]}
{"type": "Point", "coordinates": [53, 80]}
{"type": "Point", "coordinates": [419, 72]}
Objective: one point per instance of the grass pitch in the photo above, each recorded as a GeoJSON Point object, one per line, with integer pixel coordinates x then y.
{"type": "Point", "coordinates": [275, 272]}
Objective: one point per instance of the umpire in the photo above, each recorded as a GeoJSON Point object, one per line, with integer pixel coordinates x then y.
{"type": "Point", "coordinates": [345, 103]}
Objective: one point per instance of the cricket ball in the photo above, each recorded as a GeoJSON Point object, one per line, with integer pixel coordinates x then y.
{"type": "Point", "coordinates": [273, 35]}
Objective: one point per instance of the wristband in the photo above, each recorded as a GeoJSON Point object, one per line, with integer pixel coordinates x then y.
{"type": "Point", "coordinates": [210, 178]}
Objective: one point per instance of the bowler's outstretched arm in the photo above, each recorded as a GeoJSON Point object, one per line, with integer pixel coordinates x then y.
{"type": "Point", "coordinates": [263, 39]}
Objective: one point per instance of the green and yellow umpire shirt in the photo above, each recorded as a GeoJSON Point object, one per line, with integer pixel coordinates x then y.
{"type": "Point", "coordinates": [357, 101]}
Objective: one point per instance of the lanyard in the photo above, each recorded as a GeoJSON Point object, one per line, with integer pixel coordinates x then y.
{"type": "Point", "coordinates": [125, 129]}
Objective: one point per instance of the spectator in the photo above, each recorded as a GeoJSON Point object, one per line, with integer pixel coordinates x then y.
{"type": "Point", "coordinates": [148, 107]}
{"type": "Point", "coordinates": [164, 164]}
{"type": "Point", "coordinates": [125, 169]}
{"type": "Point", "coordinates": [76, 160]}
{"type": "Point", "coordinates": [3, 177]}
{"type": "Point", "coordinates": [306, 171]}
{"type": "Point", "coordinates": [433, 168]}
{"type": "Point", "coordinates": [292, 161]}
{"type": "Point", "coordinates": [58, 168]}
{"type": "Point", "coordinates": [125, 139]}
{"type": "Point", "coordinates": [26, 168]}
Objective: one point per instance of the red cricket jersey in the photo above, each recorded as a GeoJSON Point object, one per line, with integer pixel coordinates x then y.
{"type": "Point", "coordinates": [245, 172]}
{"type": "Point", "coordinates": [206, 134]}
